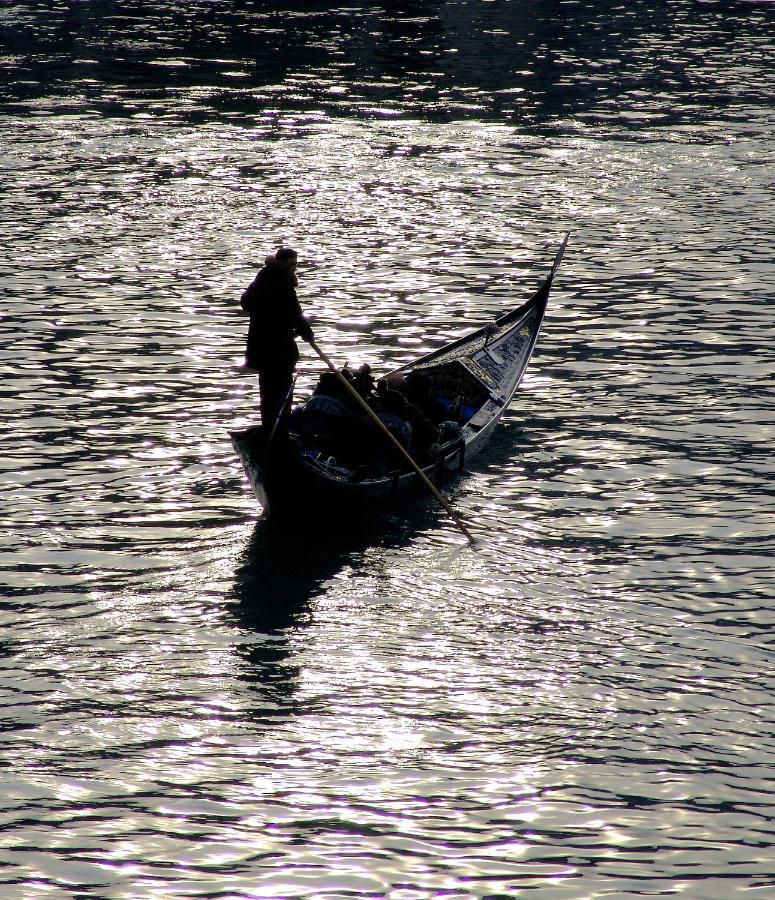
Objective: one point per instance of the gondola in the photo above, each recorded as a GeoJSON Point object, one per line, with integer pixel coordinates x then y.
{"type": "Point", "coordinates": [473, 379]}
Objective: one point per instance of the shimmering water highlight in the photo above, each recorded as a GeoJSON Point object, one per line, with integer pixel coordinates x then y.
{"type": "Point", "coordinates": [199, 704]}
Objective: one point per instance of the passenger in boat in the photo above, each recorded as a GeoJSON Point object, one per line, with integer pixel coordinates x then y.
{"type": "Point", "coordinates": [275, 320]}
{"type": "Point", "coordinates": [418, 392]}
{"type": "Point", "coordinates": [328, 423]}
{"type": "Point", "coordinates": [329, 396]}
{"type": "Point", "coordinates": [361, 379]}
{"type": "Point", "coordinates": [422, 433]}
{"type": "Point", "coordinates": [425, 435]}
{"type": "Point", "coordinates": [390, 407]}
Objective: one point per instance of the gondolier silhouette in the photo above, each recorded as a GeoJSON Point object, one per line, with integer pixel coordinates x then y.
{"type": "Point", "coordinates": [275, 320]}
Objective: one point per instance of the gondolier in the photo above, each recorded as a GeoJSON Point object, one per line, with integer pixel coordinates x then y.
{"type": "Point", "coordinates": [275, 320]}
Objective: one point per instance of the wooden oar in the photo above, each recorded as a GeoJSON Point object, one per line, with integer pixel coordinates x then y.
{"type": "Point", "coordinates": [381, 425]}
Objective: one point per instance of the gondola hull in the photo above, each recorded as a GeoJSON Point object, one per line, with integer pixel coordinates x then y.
{"type": "Point", "coordinates": [289, 484]}
{"type": "Point", "coordinates": [482, 370]}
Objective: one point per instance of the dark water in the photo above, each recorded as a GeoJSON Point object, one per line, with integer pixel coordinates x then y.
{"type": "Point", "coordinates": [196, 704]}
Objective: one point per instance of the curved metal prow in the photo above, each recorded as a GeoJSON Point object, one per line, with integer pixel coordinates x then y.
{"type": "Point", "coordinates": [558, 257]}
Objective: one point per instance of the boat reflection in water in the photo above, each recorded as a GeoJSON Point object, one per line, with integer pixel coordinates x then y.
{"type": "Point", "coordinates": [284, 568]}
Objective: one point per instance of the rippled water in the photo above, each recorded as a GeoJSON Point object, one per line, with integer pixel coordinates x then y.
{"type": "Point", "coordinates": [196, 704]}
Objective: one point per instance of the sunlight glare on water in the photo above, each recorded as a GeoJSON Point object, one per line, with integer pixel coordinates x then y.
{"type": "Point", "coordinates": [199, 703]}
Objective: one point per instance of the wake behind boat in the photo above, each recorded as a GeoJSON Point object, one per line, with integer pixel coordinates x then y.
{"type": "Point", "coordinates": [330, 462]}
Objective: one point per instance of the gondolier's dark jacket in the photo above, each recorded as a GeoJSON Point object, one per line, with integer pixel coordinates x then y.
{"type": "Point", "coordinates": [275, 318]}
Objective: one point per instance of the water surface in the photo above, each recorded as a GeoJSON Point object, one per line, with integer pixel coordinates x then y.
{"type": "Point", "coordinates": [198, 704]}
